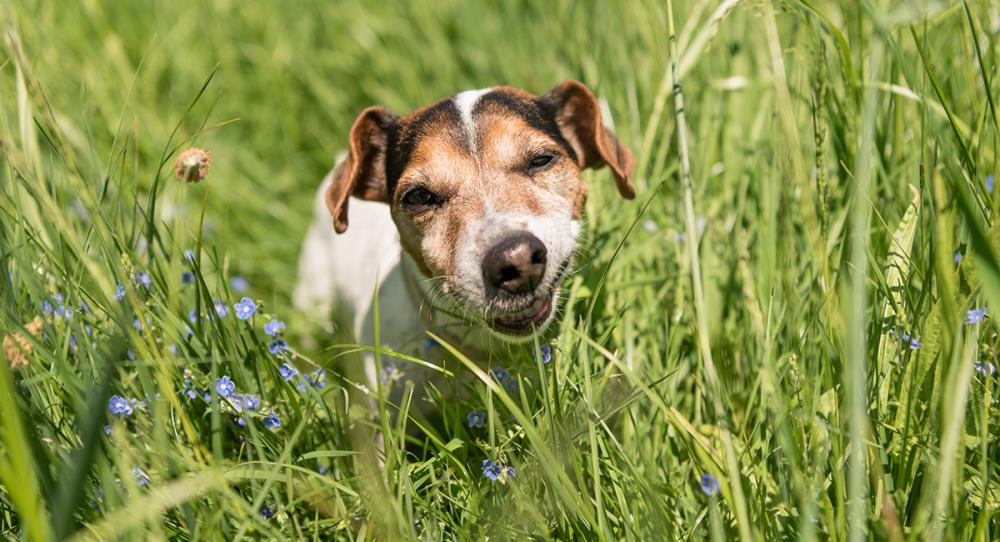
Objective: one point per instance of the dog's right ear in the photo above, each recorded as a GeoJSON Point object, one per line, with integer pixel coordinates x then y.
{"type": "Point", "coordinates": [362, 173]}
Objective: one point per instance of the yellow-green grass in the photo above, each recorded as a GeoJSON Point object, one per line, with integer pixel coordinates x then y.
{"type": "Point", "coordinates": [813, 354]}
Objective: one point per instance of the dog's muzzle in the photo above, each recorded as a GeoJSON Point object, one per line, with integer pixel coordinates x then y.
{"type": "Point", "coordinates": [514, 269]}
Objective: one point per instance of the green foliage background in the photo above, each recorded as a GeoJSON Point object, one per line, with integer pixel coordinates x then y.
{"type": "Point", "coordinates": [839, 158]}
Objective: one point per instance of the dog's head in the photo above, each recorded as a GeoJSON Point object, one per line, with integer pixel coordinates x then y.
{"type": "Point", "coordinates": [485, 190]}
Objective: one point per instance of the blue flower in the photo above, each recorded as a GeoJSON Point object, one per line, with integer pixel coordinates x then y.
{"type": "Point", "coordinates": [239, 284]}
{"type": "Point", "coordinates": [47, 306]}
{"type": "Point", "coordinates": [245, 308]}
{"type": "Point", "coordinates": [189, 255]}
{"type": "Point", "coordinates": [140, 477]}
{"type": "Point", "coordinates": [975, 315]}
{"type": "Point", "coordinates": [271, 421]}
{"type": "Point", "coordinates": [221, 309]}
{"type": "Point", "coordinates": [958, 256]}
{"type": "Point", "coordinates": [250, 402]}
{"type": "Point", "coordinates": [491, 470]}
{"type": "Point", "coordinates": [266, 511]}
{"type": "Point", "coordinates": [72, 341]}
{"type": "Point", "coordinates": [225, 386]}
{"type": "Point", "coordinates": [119, 405]}
{"type": "Point", "coordinates": [546, 352]}
{"type": "Point", "coordinates": [501, 375]}
{"type": "Point", "coordinates": [144, 278]}
{"type": "Point", "coordinates": [709, 484]}
{"type": "Point", "coordinates": [431, 344]}
{"type": "Point", "coordinates": [915, 343]}
{"type": "Point", "coordinates": [138, 324]}
{"type": "Point", "coordinates": [989, 184]}
{"type": "Point", "coordinates": [274, 327]}
{"type": "Point", "coordinates": [119, 291]}
{"type": "Point", "coordinates": [130, 355]}
{"type": "Point", "coordinates": [66, 312]}
{"type": "Point", "coordinates": [107, 430]}
{"type": "Point", "coordinates": [318, 378]}
{"type": "Point", "coordinates": [985, 368]}
{"type": "Point", "coordinates": [187, 277]}
{"type": "Point", "coordinates": [477, 418]}
{"type": "Point", "coordinates": [189, 390]}
{"type": "Point", "coordinates": [511, 473]}
{"type": "Point", "coordinates": [277, 346]}
{"type": "Point", "coordinates": [287, 371]}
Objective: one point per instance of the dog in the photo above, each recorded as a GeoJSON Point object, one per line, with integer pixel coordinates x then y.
{"type": "Point", "coordinates": [465, 215]}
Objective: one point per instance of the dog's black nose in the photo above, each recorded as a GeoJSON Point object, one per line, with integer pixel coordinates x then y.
{"type": "Point", "coordinates": [516, 264]}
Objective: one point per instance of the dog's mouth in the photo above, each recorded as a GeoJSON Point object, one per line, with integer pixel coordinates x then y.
{"type": "Point", "coordinates": [525, 321]}
{"type": "Point", "coordinates": [519, 319]}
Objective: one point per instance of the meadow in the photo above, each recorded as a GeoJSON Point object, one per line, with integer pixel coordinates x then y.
{"type": "Point", "coordinates": [820, 367]}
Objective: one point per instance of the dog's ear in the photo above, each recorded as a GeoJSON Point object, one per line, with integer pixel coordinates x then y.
{"type": "Point", "coordinates": [362, 173]}
{"type": "Point", "coordinates": [578, 116]}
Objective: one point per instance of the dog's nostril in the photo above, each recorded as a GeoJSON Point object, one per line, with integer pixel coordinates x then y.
{"type": "Point", "coordinates": [515, 264]}
{"type": "Point", "coordinates": [538, 257]}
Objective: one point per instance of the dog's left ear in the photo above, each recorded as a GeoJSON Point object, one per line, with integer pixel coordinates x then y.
{"type": "Point", "coordinates": [578, 116]}
{"type": "Point", "coordinates": [362, 174]}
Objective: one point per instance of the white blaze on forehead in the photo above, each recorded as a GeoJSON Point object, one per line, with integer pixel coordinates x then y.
{"type": "Point", "coordinates": [465, 102]}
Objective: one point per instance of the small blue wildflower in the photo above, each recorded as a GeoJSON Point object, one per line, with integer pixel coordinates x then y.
{"type": "Point", "coordinates": [390, 374]}
{"type": "Point", "coordinates": [241, 422]}
{"type": "Point", "coordinates": [72, 341]}
{"type": "Point", "coordinates": [87, 330]}
{"type": "Point", "coordinates": [985, 368]}
{"type": "Point", "coordinates": [107, 430]}
{"type": "Point", "coordinates": [989, 184]}
{"type": "Point", "coordinates": [318, 378]}
{"type": "Point", "coordinates": [709, 484]}
{"type": "Point", "coordinates": [277, 346]}
{"type": "Point", "coordinates": [67, 312]}
{"type": "Point", "coordinates": [501, 375]}
{"type": "Point", "coordinates": [431, 344]}
{"type": "Point", "coordinates": [251, 402]}
{"type": "Point", "coordinates": [546, 352]}
{"type": "Point", "coordinates": [59, 298]}
{"type": "Point", "coordinates": [958, 256]}
{"type": "Point", "coordinates": [189, 255]}
{"type": "Point", "coordinates": [130, 355]}
{"type": "Point", "coordinates": [245, 308]}
{"type": "Point", "coordinates": [287, 371]}
{"type": "Point", "coordinates": [266, 511]}
{"type": "Point", "coordinates": [491, 470]}
{"type": "Point", "coordinates": [274, 327]}
{"type": "Point", "coordinates": [47, 306]}
{"type": "Point", "coordinates": [511, 473]}
{"type": "Point", "coordinates": [189, 390]}
{"type": "Point", "coordinates": [975, 315]}
{"type": "Point", "coordinates": [119, 291]}
{"type": "Point", "coordinates": [138, 324]}
{"type": "Point", "coordinates": [187, 277]}
{"type": "Point", "coordinates": [84, 307]}
{"type": "Point", "coordinates": [225, 386]}
{"type": "Point", "coordinates": [271, 421]}
{"type": "Point", "coordinates": [119, 405]}
{"type": "Point", "coordinates": [915, 343]}
{"type": "Point", "coordinates": [477, 418]}
{"type": "Point", "coordinates": [221, 309]}
{"type": "Point", "coordinates": [140, 477]}
{"type": "Point", "coordinates": [239, 284]}
{"type": "Point", "coordinates": [144, 278]}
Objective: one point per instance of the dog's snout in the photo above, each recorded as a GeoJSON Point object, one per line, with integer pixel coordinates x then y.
{"type": "Point", "coordinates": [516, 264]}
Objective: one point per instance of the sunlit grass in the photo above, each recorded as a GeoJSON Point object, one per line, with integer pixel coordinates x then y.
{"type": "Point", "coordinates": [815, 356]}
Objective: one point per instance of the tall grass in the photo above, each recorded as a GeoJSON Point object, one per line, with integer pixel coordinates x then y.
{"type": "Point", "coordinates": [827, 162]}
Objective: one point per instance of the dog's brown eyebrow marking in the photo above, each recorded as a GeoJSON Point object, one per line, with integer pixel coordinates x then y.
{"type": "Point", "coordinates": [446, 116]}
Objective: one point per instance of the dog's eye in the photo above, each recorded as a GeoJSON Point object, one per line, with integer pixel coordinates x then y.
{"type": "Point", "coordinates": [420, 199]}
{"type": "Point", "coordinates": [540, 161]}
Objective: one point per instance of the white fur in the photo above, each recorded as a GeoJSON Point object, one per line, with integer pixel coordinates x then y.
{"type": "Point", "coordinates": [465, 102]}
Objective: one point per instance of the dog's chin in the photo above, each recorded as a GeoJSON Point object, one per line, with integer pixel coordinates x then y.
{"type": "Point", "coordinates": [523, 325]}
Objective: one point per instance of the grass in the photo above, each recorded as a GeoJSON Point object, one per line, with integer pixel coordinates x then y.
{"type": "Point", "coordinates": [813, 354]}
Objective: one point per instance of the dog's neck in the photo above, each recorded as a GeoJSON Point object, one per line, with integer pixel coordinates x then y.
{"type": "Point", "coordinates": [468, 337]}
